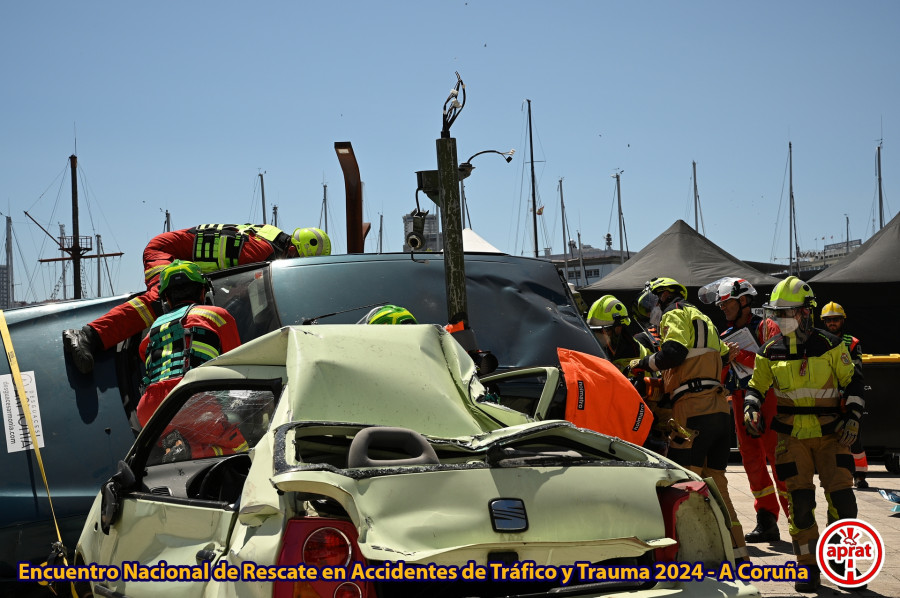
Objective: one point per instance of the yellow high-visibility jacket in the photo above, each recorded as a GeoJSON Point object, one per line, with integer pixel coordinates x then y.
{"type": "Point", "coordinates": [808, 379]}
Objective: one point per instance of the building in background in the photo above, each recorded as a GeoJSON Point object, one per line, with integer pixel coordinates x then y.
{"type": "Point", "coordinates": [597, 263]}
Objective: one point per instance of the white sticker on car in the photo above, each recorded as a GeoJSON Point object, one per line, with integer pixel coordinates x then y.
{"type": "Point", "coordinates": [15, 425]}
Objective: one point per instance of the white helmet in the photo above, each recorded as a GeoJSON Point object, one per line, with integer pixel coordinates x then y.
{"type": "Point", "coordinates": [724, 289]}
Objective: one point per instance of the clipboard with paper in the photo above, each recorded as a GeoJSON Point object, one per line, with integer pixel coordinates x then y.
{"type": "Point", "coordinates": [748, 345]}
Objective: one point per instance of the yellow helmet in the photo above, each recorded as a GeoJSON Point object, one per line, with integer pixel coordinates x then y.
{"type": "Point", "coordinates": [661, 283]}
{"type": "Point", "coordinates": [180, 273]}
{"type": "Point", "coordinates": [791, 292]}
{"type": "Point", "coordinates": [833, 309]}
{"type": "Point", "coordinates": [389, 314]}
{"type": "Point", "coordinates": [311, 241]}
{"type": "Point", "coordinates": [607, 311]}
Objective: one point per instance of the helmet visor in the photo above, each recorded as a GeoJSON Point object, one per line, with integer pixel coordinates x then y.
{"type": "Point", "coordinates": [709, 293]}
{"type": "Point", "coordinates": [646, 302]}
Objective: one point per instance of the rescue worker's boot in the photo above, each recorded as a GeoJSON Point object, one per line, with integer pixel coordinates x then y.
{"type": "Point", "coordinates": [81, 345]}
{"type": "Point", "coordinates": [859, 480]}
{"type": "Point", "coordinates": [766, 528]}
{"type": "Point", "coordinates": [840, 569]}
{"type": "Point", "coordinates": [810, 585]}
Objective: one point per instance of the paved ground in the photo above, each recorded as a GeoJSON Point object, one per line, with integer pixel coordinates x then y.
{"type": "Point", "coordinates": [872, 508]}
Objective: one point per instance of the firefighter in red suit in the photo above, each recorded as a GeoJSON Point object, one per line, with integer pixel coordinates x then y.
{"type": "Point", "coordinates": [734, 296]}
{"type": "Point", "coordinates": [211, 246]}
{"type": "Point", "coordinates": [187, 335]}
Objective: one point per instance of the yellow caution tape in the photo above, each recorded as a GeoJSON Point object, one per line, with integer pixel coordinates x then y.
{"type": "Point", "coordinates": [26, 411]}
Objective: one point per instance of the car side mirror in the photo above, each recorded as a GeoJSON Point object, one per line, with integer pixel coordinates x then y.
{"type": "Point", "coordinates": [111, 491]}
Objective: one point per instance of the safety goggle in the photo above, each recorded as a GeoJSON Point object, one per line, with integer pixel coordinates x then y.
{"type": "Point", "coordinates": [784, 312]}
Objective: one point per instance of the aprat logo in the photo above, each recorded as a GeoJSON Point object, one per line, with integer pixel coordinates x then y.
{"type": "Point", "coordinates": [850, 552]}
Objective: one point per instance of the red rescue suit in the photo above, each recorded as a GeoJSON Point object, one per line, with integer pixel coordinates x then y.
{"type": "Point", "coordinates": [139, 313]}
{"type": "Point", "coordinates": [767, 491]}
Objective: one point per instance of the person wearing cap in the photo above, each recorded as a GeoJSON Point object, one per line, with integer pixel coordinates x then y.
{"type": "Point", "coordinates": [812, 374]}
{"type": "Point", "coordinates": [212, 247]}
{"type": "Point", "coordinates": [834, 317]}
{"type": "Point", "coordinates": [690, 359]}
{"type": "Point", "coordinates": [734, 296]}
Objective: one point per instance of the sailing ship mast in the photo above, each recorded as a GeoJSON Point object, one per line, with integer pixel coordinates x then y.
{"type": "Point", "coordinates": [262, 190]}
{"type": "Point", "coordinates": [75, 250]}
{"type": "Point", "coordinates": [698, 214]}
{"type": "Point", "coordinates": [76, 246]}
{"type": "Point", "coordinates": [533, 191]}
{"type": "Point", "coordinates": [9, 263]}
{"type": "Point", "coordinates": [562, 209]}
{"type": "Point", "coordinates": [618, 177]}
{"type": "Point", "coordinates": [880, 197]}
{"type": "Point", "coordinates": [792, 216]}
{"type": "Point", "coordinates": [324, 214]}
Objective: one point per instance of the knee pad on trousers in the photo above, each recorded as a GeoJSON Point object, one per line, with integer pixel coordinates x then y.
{"type": "Point", "coordinates": [844, 502]}
{"type": "Point", "coordinates": [803, 502]}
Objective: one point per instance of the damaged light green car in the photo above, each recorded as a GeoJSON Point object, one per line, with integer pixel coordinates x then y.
{"type": "Point", "coordinates": [368, 454]}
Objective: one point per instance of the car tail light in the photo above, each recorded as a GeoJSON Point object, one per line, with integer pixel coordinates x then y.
{"type": "Point", "coordinates": [321, 543]}
{"type": "Point", "coordinates": [691, 508]}
{"type": "Point", "coordinates": [327, 547]}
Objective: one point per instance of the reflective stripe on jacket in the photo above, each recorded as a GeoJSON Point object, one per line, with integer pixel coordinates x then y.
{"type": "Point", "coordinates": [218, 246]}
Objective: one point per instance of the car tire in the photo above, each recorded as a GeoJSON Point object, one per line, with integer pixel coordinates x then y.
{"type": "Point", "coordinates": [892, 462]}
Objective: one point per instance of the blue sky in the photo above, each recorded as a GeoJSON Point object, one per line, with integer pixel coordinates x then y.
{"type": "Point", "coordinates": [179, 106]}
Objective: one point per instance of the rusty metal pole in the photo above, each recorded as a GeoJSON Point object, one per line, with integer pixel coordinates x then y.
{"type": "Point", "coordinates": [356, 228]}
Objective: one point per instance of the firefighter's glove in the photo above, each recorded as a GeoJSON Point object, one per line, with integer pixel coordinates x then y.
{"type": "Point", "coordinates": [635, 367]}
{"type": "Point", "coordinates": [849, 427]}
{"type": "Point", "coordinates": [177, 448]}
{"type": "Point", "coordinates": [753, 421]}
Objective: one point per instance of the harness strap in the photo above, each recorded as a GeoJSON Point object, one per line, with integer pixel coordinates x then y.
{"type": "Point", "coordinates": [217, 246]}
{"type": "Point", "coordinates": [694, 385]}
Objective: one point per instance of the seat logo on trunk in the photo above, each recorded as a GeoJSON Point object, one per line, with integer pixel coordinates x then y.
{"type": "Point", "coordinates": [508, 515]}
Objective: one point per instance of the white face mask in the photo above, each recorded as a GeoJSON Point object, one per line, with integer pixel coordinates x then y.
{"type": "Point", "coordinates": [787, 325]}
{"type": "Point", "coordinates": [655, 316]}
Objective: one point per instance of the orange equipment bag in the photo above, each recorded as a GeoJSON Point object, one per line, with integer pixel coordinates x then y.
{"type": "Point", "coordinates": [600, 398]}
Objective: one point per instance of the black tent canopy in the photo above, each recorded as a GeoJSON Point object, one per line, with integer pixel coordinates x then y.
{"type": "Point", "coordinates": [681, 253]}
{"type": "Point", "coordinates": [866, 283]}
